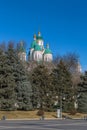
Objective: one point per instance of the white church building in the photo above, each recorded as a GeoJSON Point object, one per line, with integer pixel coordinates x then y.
{"type": "Point", "coordinates": [37, 50]}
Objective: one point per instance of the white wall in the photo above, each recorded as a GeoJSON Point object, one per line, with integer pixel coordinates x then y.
{"type": "Point", "coordinates": [22, 56]}
{"type": "Point", "coordinates": [40, 42]}
{"type": "Point", "coordinates": [48, 57]}
{"type": "Point", "coordinates": [38, 56]}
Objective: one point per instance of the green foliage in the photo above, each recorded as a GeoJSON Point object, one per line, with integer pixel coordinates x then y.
{"type": "Point", "coordinates": [63, 86]}
{"type": "Point", "coordinates": [15, 88]}
{"type": "Point", "coordinates": [41, 87]}
{"type": "Point", "coordinates": [23, 87]}
{"type": "Point", "coordinates": [82, 103]}
{"type": "Point", "coordinates": [7, 84]}
{"type": "Point", "coordinates": [82, 92]}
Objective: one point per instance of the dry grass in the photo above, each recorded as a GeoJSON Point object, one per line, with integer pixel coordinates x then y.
{"type": "Point", "coordinates": [77, 115]}
{"type": "Point", "coordinates": [33, 114]}
{"type": "Point", "coordinates": [19, 114]}
{"type": "Point", "coordinates": [25, 114]}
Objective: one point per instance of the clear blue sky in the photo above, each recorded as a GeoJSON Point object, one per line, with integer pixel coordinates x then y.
{"type": "Point", "coordinates": [63, 23]}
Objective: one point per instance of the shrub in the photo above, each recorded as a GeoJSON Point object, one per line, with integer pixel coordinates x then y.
{"type": "Point", "coordinates": [40, 112]}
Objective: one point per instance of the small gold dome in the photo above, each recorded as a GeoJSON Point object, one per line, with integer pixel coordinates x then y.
{"type": "Point", "coordinates": [34, 35]}
{"type": "Point", "coordinates": [39, 33]}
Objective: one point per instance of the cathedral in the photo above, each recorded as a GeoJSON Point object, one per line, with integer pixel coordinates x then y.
{"type": "Point", "coordinates": [37, 50]}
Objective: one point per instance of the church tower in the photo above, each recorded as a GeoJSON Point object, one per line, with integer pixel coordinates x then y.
{"type": "Point", "coordinates": [22, 52]}
{"type": "Point", "coordinates": [79, 68]}
{"type": "Point", "coordinates": [40, 40]}
{"type": "Point", "coordinates": [48, 54]}
{"type": "Point", "coordinates": [33, 44]}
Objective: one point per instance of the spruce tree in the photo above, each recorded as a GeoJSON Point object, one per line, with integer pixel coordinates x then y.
{"type": "Point", "coordinates": [41, 88]}
{"type": "Point", "coordinates": [7, 84]}
{"type": "Point", "coordinates": [82, 94]}
{"type": "Point", "coordinates": [23, 87]}
{"type": "Point", "coordinates": [63, 87]}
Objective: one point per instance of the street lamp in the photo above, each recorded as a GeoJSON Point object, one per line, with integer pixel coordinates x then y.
{"type": "Point", "coordinates": [61, 106]}
{"type": "Point", "coordinates": [59, 111]}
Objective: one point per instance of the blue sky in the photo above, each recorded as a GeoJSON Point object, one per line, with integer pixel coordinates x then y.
{"type": "Point", "coordinates": [63, 24]}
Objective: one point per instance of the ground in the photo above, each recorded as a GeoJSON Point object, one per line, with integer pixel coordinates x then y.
{"type": "Point", "coordinates": [43, 125]}
{"type": "Point", "coordinates": [33, 115]}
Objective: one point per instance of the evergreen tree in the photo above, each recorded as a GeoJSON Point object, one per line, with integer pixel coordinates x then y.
{"type": "Point", "coordinates": [41, 88]}
{"type": "Point", "coordinates": [71, 62]}
{"type": "Point", "coordinates": [63, 87]}
{"type": "Point", "coordinates": [82, 94]}
{"type": "Point", "coordinates": [23, 87]}
{"type": "Point", "coordinates": [7, 84]}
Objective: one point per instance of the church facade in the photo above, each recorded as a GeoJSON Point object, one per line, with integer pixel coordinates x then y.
{"type": "Point", "coordinates": [37, 51]}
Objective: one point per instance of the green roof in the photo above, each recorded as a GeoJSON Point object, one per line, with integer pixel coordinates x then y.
{"type": "Point", "coordinates": [37, 48]}
{"type": "Point", "coordinates": [21, 49]}
{"type": "Point", "coordinates": [33, 44]}
{"type": "Point", "coordinates": [47, 51]}
{"type": "Point", "coordinates": [39, 38]}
